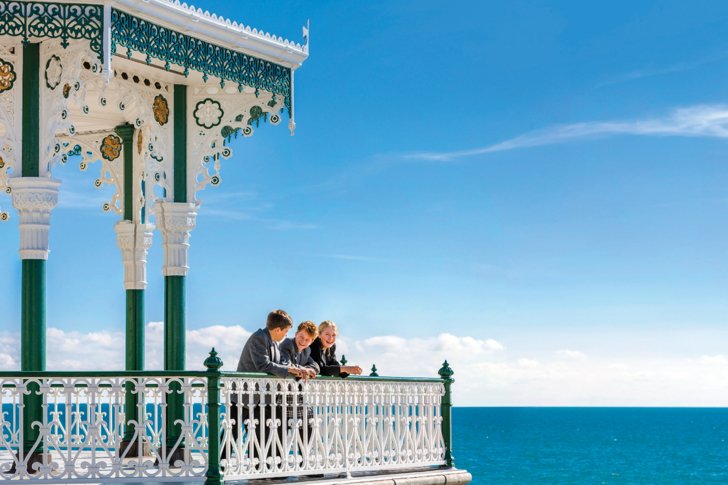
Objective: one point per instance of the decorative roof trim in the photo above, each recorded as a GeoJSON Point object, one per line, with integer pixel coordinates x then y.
{"type": "Point", "coordinates": [53, 20]}
{"type": "Point", "coordinates": [172, 47]}
{"type": "Point", "coordinates": [219, 30]}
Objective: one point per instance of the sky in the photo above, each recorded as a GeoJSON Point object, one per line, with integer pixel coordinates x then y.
{"type": "Point", "coordinates": [535, 191]}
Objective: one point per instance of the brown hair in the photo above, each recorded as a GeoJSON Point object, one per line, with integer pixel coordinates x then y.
{"type": "Point", "coordinates": [309, 327]}
{"type": "Point", "coordinates": [278, 319]}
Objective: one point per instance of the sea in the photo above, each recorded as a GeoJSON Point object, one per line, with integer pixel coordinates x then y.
{"type": "Point", "coordinates": [591, 445]}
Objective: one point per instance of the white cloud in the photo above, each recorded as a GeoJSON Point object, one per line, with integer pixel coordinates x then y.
{"type": "Point", "coordinates": [571, 354]}
{"type": "Point", "coordinates": [708, 121]}
{"type": "Point", "coordinates": [486, 372]}
{"type": "Point", "coordinates": [714, 359]}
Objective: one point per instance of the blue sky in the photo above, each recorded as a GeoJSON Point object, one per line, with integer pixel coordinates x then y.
{"type": "Point", "coordinates": [545, 179]}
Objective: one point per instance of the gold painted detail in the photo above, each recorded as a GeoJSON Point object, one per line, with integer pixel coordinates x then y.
{"type": "Point", "coordinates": [140, 142]}
{"type": "Point", "coordinates": [161, 109]}
{"type": "Point", "coordinates": [7, 76]}
{"type": "Point", "coordinates": [66, 90]}
{"type": "Point", "coordinates": [111, 147]}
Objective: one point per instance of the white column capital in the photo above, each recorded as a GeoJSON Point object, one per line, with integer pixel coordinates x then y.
{"type": "Point", "coordinates": [34, 198]}
{"type": "Point", "coordinates": [134, 240]}
{"type": "Point", "coordinates": [175, 221]}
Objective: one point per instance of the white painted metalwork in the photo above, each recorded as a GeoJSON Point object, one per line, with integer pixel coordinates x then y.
{"type": "Point", "coordinates": [329, 426]}
{"type": "Point", "coordinates": [83, 426]}
{"type": "Point", "coordinates": [325, 425]}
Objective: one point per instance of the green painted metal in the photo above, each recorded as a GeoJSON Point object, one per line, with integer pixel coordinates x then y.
{"type": "Point", "coordinates": [159, 42]}
{"type": "Point", "coordinates": [31, 110]}
{"type": "Point", "coordinates": [174, 323]}
{"type": "Point", "coordinates": [214, 473]}
{"type": "Point", "coordinates": [374, 371]}
{"type": "Point", "coordinates": [126, 132]}
{"type": "Point", "coordinates": [52, 20]}
{"type": "Point", "coordinates": [180, 143]}
{"type": "Point", "coordinates": [446, 374]}
{"type": "Point", "coordinates": [174, 350]}
{"type": "Point", "coordinates": [33, 344]}
{"type": "Point", "coordinates": [134, 354]}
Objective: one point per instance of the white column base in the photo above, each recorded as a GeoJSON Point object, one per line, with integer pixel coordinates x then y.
{"type": "Point", "coordinates": [34, 198]}
{"type": "Point", "coordinates": [134, 241]}
{"type": "Point", "coordinates": [175, 221]}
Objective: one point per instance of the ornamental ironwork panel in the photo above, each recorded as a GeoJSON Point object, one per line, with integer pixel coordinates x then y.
{"type": "Point", "coordinates": [172, 47]}
{"type": "Point", "coordinates": [48, 20]}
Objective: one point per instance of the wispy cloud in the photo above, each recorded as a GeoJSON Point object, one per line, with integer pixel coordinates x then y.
{"type": "Point", "coordinates": [709, 121]}
{"type": "Point", "coordinates": [652, 71]}
{"type": "Point", "coordinates": [244, 206]}
{"type": "Point", "coordinates": [276, 225]}
{"type": "Point", "coordinates": [352, 257]}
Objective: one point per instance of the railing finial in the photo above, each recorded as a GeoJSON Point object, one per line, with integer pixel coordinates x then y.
{"type": "Point", "coordinates": [374, 371]}
{"type": "Point", "coordinates": [213, 362]}
{"type": "Point", "coordinates": [446, 372]}
{"type": "Point", "coordinates": [343, 359]}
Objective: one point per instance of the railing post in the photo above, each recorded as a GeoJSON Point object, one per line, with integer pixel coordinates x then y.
{"type": "Point", "coordinates": [374, 371]}
{"type": "Point", "coordinates": [214, 474]}
{"type": "Point", "coordinates": [446, 374]}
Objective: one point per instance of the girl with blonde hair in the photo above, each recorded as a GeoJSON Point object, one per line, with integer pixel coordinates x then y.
{"type": "Point", "coordinates": [323, 351]}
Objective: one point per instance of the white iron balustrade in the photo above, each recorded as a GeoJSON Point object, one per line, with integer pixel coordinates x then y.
{"type": "Point", "coordinates": [84, 423]}
{"type": "Point", "coordinates": [330, 425]}
{"type": "Point", "coordinates": [284, 427]}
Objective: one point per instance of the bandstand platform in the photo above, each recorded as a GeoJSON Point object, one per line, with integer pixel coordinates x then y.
{"type": "Point", "coordinates": [149, 96]}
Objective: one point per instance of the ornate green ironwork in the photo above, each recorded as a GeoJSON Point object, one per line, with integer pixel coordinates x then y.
{"type": "Point", "coordinates": [53, 72]}
{"type": "Point", "coordinates": [49, 20]}
{"type": "Point", "coordinates": [173, 47]}
{"type": "Point", "coordinates": [208, 113]}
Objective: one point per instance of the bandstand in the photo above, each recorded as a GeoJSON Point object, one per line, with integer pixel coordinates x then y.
{"type": "Point", "coordinates": [147, 95]}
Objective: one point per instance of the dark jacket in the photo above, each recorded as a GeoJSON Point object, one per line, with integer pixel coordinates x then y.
{"type": "Point", "coordinates": [291, 355]}
{"type": "Point", "coordinates": [326, 359]}
{"type": "Point", "coordinates": [261, 354]}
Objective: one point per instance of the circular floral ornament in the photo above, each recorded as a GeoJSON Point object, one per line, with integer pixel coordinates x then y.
{"type": "Point", "coordinates": [161, 109]}
{"type": "Point", "coordinates": [53, 72]}
{"type": "Point", "coordinates": [208, 113]}
{"type": "Point", "coordinates": [7, 76]}
{"type": "Point", "coordinates": [111, 147]}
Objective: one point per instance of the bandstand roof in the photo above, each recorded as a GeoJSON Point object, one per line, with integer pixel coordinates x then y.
{"type": "Point", "coordinates": [186, 80]}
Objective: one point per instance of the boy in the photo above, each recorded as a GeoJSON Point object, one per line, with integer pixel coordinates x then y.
{"type": "Point", "coordinates": [261, 354]}
{"type": "Point", "coordinates": [296, 350]}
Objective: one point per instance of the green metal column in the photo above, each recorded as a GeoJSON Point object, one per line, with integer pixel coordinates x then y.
{"type": "Point", "coordinates": [33, 312]}
{"type": "Point", "coordinates": [174, 286]}
{"type": "Point", "coordinates": [134, 303]}
{"type": "Point", "coordinates": [33, 345]}
{"type": "Point", "coordinates": [174, 351]}
{"type": "Point", "coordinates": [446, 374]}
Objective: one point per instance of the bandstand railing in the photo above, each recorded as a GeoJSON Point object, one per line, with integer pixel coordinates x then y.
{"type": "Point", "coordinates": [231, 425]}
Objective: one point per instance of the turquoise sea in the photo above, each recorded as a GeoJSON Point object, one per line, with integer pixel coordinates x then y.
{"type": "Point", "coordinates": [592, 445]}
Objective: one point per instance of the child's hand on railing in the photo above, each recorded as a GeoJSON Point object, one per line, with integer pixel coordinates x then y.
{"type": "Point", "coordinates": [351, 369]}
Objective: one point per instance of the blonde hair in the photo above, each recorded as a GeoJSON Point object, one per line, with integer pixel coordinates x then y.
{"type": "Point", "coordinates": [326, 324]}
{"type": "Point", "coordinates": [309, 327]}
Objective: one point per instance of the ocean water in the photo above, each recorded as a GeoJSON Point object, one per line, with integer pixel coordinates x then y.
{"type": "Point", "coordinates": [592, 445]}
